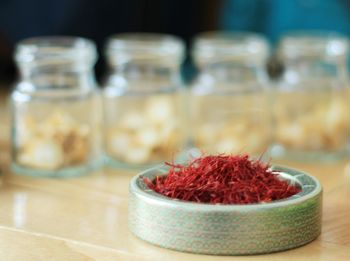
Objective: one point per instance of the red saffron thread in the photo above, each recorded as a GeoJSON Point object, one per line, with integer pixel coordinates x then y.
{"type": "Point", "coordinates": [223, 179]}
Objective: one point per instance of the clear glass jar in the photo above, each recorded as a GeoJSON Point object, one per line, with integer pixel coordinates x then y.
{"type": "Point", "coordinates": [143, 99]}
{"type": "Point", "coordinates": [229, 98]}
{"type": "Point", "coordinates": [311, 102]}
{"type": "Point", "coordinates": [55, 114]}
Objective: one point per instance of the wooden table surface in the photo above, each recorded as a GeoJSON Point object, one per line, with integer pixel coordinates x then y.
{"type": "Point", "coordinates": [85, 218]}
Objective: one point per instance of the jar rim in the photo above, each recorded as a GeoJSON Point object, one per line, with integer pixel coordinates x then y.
{"type": "Point", "coordinates": [313, 43]}
{"type": "Point", "coordinates": [55, 48]}
{"type": "Point", "coordinates": [231, 45]}
{"type": "Point", "coordinates": [126, 46]}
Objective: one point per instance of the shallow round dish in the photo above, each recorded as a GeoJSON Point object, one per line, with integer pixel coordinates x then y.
{"type": "Point", "coordinates": [226, 229]}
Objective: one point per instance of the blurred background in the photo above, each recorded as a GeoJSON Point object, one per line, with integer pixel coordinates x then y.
{"type": "Point", "coordinates": [97, 20]}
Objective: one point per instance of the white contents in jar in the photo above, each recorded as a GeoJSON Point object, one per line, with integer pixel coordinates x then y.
{"type": "Point", "coordinates": [325, 127]}
{"type": "Point", "coordinates": [232, 137]}
{"type": "Point", "coordinates": [57, 141]}
{"type": "Point", "coordinates": [147, 135]}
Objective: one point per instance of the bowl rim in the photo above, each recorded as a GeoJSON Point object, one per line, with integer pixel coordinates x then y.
{"type": "Point", "coordinates": [294, 174]}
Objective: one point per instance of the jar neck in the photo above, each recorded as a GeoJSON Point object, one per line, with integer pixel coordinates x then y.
{"type": "Point", "coordinates": [314, 68]}
{"type": "Point", "coordinates": [47, 77]}
{"type": "Point", "coordinates": [142, 74]}
{"type": "Point", "coordinates": [239, 73]}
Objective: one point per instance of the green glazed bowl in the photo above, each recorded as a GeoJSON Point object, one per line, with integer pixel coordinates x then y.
{"type": "Point", "coordinates": [226, 229]}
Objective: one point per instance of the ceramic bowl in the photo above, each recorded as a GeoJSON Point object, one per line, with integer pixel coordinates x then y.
{"type": "Point", "coordinates": [226, 229]}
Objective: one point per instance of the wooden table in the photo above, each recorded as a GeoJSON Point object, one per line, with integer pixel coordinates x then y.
{"type": "Point", "coordinates": [85, 218]}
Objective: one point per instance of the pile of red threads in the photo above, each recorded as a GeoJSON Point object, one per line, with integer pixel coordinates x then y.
{"type": "Point", "coordinates": [223, 179]}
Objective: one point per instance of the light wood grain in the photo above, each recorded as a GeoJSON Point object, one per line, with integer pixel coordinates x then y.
{"type": "Point", "coordinates": [85, 218]}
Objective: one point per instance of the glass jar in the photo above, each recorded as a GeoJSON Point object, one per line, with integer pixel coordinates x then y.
{"type": "Point", "coordinates": [143, 101]}
{"type": "Point", "coordinates": [55, 114]}
{"type": "Point", "coordinates": [311, 102]}
{"type": "Point", "coordinates": [229, 98]}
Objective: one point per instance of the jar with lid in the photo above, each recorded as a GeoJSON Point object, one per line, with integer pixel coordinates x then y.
{"type": "Point", "coordinates": [143, 99]}
{"type": "Point", "coordinates": [55, 114]}
{"type": "Point", "coordinates": [230, 96]}
{"type": "Point", "coordinates": [311, 102]}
